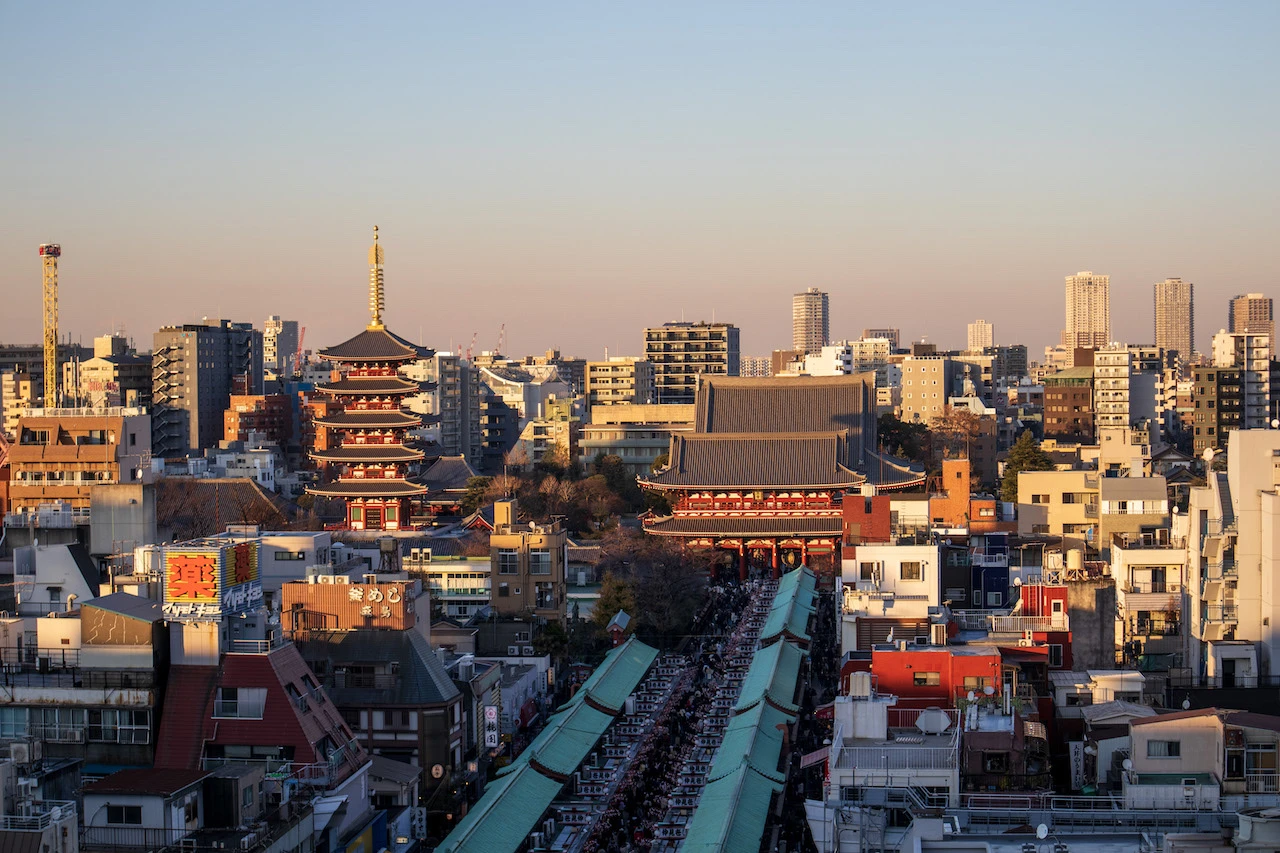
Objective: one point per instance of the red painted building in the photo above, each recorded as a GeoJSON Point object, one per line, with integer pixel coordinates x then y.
{"type": "Point", "coordinates": [926, 676]}
{"type": "Point", "coordinates": [373, 455]}
{"type": "Point", "coordinates": [762, 477]}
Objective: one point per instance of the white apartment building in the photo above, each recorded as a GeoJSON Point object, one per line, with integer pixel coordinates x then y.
{"type": "Point", "coordinates": [1123, 395]}
{"type": "Point", "coordinates": [1251, 354]}
{"type": "Point", "coordinates": [1149, 573]}
{"type": "Point", "coordinates": [981, 335]}
{"type": "Point", "coordinates": [1233, 581]}
{"type": "Point", "coordinates": [1088, 310]}
{"type": "Point", "coordinates": [810, 320]}
{"type": "Point", "coordinates": [886, 589]}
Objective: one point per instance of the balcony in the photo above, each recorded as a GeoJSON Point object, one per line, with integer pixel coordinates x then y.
{"type": "Point", "coordinates": [1021, 624]}
{"type": "Point", "coordinates": [1220, 613]}
{"type": "Point", "coordinates": [1262, 783]}
{"type": "Point", "coordinates": [39, 816]}
{"type": "Point", "coordinates": [1142, 587]}
{"type": "Point", "coordinates": [59, 519]}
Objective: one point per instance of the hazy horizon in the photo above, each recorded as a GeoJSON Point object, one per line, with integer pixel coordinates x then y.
{"type": "Point", "coordinates": [579, 172]}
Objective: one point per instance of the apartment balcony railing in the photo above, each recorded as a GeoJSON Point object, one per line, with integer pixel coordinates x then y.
{"type": "Point", "coordinates": [1153, 586]}
{"type": "Point", "coordinates": [1090, 510]}
{"type": "Point", "coordinates": [876, 759]}
{"type": "Point", "coordinates": [1220, 613]}
{"type": "Point", "coordinates": [61, 519]}
{"type": "Point", "coordinates": [1147, 628]}
{"type": "Point", "coordinates": [39, 816]}
{"type": "Point", "coordinates": [1262, 783]}
{"type": "Point", "coordinates": [1223, 569]}
{"type": "Point", "coordinates": [1019, 624]}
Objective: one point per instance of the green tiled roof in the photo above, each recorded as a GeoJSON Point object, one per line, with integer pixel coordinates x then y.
{"type": "Point", "coordinates": [616, 678]}
{"type": "Point", "coordinates": [751, 737]}
{"type": "Point", "coordinates": [790, 613]}
{"type": "Point", "coordinates": [731, 813]}
{"type": "Point", "coordinates": [514, 802]}
{"type": "Point", "coordinates": [773, 675]}
{"type": "Point", "coordinates": [568, 739]}
{"type": "Point", "coordinates": [505, 815]}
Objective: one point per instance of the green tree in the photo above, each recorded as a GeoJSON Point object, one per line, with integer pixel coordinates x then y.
{"type": "Point", "coordinates": [1025, 455]}
{"type": "Point", "coordinates": [552, 640]}
{"type": "Point", "coordinates": [475, 495]}
{"type": "Point", "coordinates": [663, 460]}
{"type": "Point", "coordinates": [907, 439]}
{"type": "Point", "coordinates": [615, 594]}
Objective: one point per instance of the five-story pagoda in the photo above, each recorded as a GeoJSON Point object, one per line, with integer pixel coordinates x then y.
{"type": "Point", "coordinates": [373, 454]}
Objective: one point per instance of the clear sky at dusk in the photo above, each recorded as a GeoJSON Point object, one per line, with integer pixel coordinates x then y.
{"type": "Point", "coordinates": [579, 171]}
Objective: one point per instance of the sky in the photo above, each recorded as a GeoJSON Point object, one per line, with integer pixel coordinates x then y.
{"type": "Point", "coordinates": [580, 171]}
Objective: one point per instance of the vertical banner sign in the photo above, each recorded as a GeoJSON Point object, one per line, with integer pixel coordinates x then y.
{"type": "Point", "coordinates": [491, 728]}
{"type": "Point", "coordinates": [1077, 764]}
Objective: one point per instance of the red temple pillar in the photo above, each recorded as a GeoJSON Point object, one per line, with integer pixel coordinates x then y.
{"type": "Point", "coordinates": [742, 562]}
{"type": "Point", "coordinates": [804, 553]}
{"type": "Point", "coordinates": [775, 559]}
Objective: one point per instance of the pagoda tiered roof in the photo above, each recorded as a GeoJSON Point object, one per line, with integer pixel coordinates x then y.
{"type": "Point", "coordinates": [375, 345]}
{"type": "Point", "coordinates": [369, 453]}
{"type": "Point", "coordinates": [372, 419]}
{"type": "Point", "coordinates": [370, 487]}
{"type": "Point", "coordinates": [373, 386]}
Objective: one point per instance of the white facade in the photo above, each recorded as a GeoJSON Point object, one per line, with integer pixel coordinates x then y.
{"type": "Point", "coordinates": [981, 336]}
{"type": "Point", "coordinates": [279, 346]}
{"type": "Point", "coordinates": [1234, 553]}
{"type": "Point", "coordinates": [887, 581]}
{"type": "Point", "coordinates": [1088, 310]}
{"type": "Point", "coordinates": [1251, 354]}
{"type": "Point", "coordinates": [810, 320]}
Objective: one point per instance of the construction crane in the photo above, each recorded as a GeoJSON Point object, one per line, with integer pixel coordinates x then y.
{"type": "Point", "coordinates": [471, 348]}
{"type": "Point", "coordinates": [297, 357]}
{"type": "Point", "coordinates": [49, 253]}
{"type": "Point", "coordinates": [502, 339]}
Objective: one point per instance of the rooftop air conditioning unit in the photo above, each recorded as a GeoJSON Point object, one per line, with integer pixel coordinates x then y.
{"type": "Point", "coordinates": [513, 651]}
{"type": "Point", "coordinates": [528, 651]}
{"type": "Point", "coordinates": [324, 579]}
{"type": "Point", "coordinates": [342, 580]}
{"type": "Point", "coordinates": [1025, 642]}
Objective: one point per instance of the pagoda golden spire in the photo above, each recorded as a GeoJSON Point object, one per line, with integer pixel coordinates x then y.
{"type": "Point", "coordinates": [377, 299]}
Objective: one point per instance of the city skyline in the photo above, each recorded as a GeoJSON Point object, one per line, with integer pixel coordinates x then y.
{"type": "Point", "coordinates": [207, 172]}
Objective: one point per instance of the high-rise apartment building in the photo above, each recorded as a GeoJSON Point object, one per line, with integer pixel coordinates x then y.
{"type": "Point", "coordinates": [681, 352]}
{"type": "Point", "coordinates": [1088, 310]}
{"type": "Point", "coordinates": [279, 345]}
{"type": "Point", "coordinates": [981, 335]}
{"type": "Point", "coordinates": [1175, 317]}
{"type": "Point", "coordinates": [195, 368]}
{"type": "Point", "coordinates": [1252, 313]}
{"type": "Point", "coordinates": [619, 380]}
{"type": "Point", "coordinates": [1251, 355]}
{"type": "Point", "coordinates": [756, 365]}
{"type": "Point", "coordinates": [810, 321]}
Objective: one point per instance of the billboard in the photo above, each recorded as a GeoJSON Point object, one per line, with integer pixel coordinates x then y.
{"type": "Point", "coordinates": [208, 581]}
{"type": "Point", "coordinates": [492, 727]}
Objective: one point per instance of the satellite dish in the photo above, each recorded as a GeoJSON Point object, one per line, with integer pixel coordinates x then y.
{"type": "Point", "coordinates": [1275, 424]}
{"type": "Point", "coordinates": [56, 814]}
{"type": "Point", "coordinates": [1186, 704]}
{"type": "Point", "coordinates": [933, 721]}
{"type": "Point", "coordinates": [1042, 831]}
{"type": "Point", "coordinates": [1128, 764]}
{"type": "Point", "coordinates": [972, 695]}
{"type": "Point", "coordinates": [989, 690]}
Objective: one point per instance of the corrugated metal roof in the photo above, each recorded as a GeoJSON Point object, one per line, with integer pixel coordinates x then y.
{"type": "Point", "coordinates": [422, 678]}
{"type": "Point", "coordinates": [1132, 488]}
{"type": "Point", "coordinates": [133, 606]}
{"type": "Point", "coordinates": [789, 614]}
{"type": "Point", "coordinates": [785, 404]}
{"type": "Point", "coordinates": [568, 739]}
{"type": "Point", "coordinates": [448, 473]}
{"type": "Point", "coordinates": [616, 678]}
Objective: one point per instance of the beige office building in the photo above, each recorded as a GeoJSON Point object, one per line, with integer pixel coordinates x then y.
{"type": "Point", "coordinates": [619, 380]}
{"type": "Point", "coordinates": [810, 321]}
{"type": "Point", "coordinates": [1088, 310]}
{"type": "Point", "coordinates": [981, 335]}
{"type": "Point", "coordinates": [1175, 317]}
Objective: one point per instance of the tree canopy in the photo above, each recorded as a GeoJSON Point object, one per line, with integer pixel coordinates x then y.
{"type": "Point", "coordinates": [1025, 455]}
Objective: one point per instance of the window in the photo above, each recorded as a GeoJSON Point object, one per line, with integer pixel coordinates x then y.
{"type": "Point", "coordinates": [995, 599]}
{"type": "Point", "coordinates": [976, 682]}
{"type": "Point", "coordinates": [291, 555]}
{"type": "Point", "coordinates": [1039, 499]}
{"type": "Point", "coordinates": [111, 725]}
{"type": "Point", "coordinates": [867, 571]}
{"type": "Point", "coordinates": [995, 762]}
{"type": "Point", "coordinates": [508, 561]}
{"type": "Point", "coordinates": [61, 725]}
{"type": "Point", "coordinates": [124, 815]}
{"type": "Point", "coordinates": [911, 571]}
{"type": "Point", "coordinates": [1164, 749]}
{"type": "Point", "coordinates": [1055, 656]}
{"type": "Point", "coordinates": [244, 703]}
{"type": "Point", "coordinates": [540, 562]}
{"type": "Point", "coordinates": [503, 591]}
{"type": "Point", "coordinates": [927, 679]}
{"type": "Point", "coordinates": [13, 723]}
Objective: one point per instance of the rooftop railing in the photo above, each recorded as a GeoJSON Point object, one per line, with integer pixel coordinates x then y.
{"type": "Point", "coordinates": [39, 816]}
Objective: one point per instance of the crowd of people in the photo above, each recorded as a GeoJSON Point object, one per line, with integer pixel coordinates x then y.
{"type": "Point", "coordinates": [643, 797]}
